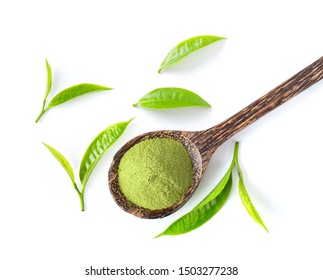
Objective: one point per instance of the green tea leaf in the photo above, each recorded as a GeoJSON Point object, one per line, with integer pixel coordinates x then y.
{"type": "Point", "coordinates": [49, 81]}
{"type": "Point", "coordinates": [92, 155]}
{"type": "Point", "coordinates": [48, 87]}
{"type": "Point", "coordinates": [200, 214]}
{"type": "Point", "coordinates": [63, 161]}
{"type": "Point", "coordinates": [66, 94]}
{"type": "Point", "coordinates": [68, 168]}
{"type": "Point", "coordinates": [187, 47]}
{"type": "Point", "coordinates": [219, 187]}
{"type": "Point", "coordinates": [171, 97]}
{"type": "Point", "coordinates": [98, 147]}
{"type": "Point", "coordinates": [244, 194]}
{"type": "Point", "coordinates": [73, 92]}
{"type": "Point", "coordinates": [205, 210]}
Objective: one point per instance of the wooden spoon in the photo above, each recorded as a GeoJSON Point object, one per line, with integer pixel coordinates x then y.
{"type": "Point", "coordinates": [202, 144]}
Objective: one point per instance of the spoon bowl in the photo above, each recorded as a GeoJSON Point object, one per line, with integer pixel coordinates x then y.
{"type": "Point", "coordinates": [141, 212]}
{"type": "Point", "coordinates": [201, 145]}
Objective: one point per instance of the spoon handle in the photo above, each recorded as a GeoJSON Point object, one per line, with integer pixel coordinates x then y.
{"type": "Point", "coordinates": [215, 136]}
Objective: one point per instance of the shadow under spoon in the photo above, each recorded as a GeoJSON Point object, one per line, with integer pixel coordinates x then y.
{"type": "Point", "coordinates": [201, 145]}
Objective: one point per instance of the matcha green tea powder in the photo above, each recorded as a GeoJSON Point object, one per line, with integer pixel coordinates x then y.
{"type": "Point", "coordinates": [155, 173]}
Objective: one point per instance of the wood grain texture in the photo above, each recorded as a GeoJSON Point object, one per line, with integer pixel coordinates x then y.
{"type": "Point", "coordinates": [209, 140]}
{"type": "Point", "coordinates": [201, 145]}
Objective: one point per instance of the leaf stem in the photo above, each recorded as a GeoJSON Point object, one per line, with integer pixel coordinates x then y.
{"type": "Point", "coordinates": [80, 194]}
{"type": "Point", "coordinates": [43, 111]}
{"type": "Point", "coordinates": [235, 153]}
{"type": "Point", "coordinates": [76, 188]}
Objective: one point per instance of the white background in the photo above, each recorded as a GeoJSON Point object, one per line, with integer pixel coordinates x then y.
{"type": "Point", "coordinates": [121, 44]}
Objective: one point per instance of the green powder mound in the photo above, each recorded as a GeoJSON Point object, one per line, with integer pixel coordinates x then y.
{"type": "Point", "coordinates": [155, 173]}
